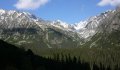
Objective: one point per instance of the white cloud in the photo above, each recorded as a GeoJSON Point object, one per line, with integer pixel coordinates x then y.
{"type": "Point", "coordinates": [30, 4]}
{"type": "Point", "coordinates": [109, 2]}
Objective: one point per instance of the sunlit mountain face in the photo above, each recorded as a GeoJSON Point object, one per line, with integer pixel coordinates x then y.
{"type": "Point", "coordinates": [23, 28]}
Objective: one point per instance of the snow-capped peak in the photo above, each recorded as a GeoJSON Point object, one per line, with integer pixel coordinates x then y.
{"type": "Point", "coordinates": [30, 15]}
{"type": "Point", "coordinates": [61, 24]}
{"type": "Point", "coordinates": [80, 25]}
{"type": "Point", "coordinates": [2, 11]}
{"type": "Point", "coordinates": [84, 28]}
{"type": "Point", "coordinates": [18, 13]}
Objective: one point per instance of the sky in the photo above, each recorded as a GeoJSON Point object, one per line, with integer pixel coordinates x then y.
{"type": "Point", "coordinates": [70, 11]}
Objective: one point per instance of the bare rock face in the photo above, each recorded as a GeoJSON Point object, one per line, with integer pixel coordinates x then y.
{"type": "Point", "coordinates": [22, 28]}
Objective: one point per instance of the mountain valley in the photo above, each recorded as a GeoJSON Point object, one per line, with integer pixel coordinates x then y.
{"type": "Point", "coordinates": [22, 28]}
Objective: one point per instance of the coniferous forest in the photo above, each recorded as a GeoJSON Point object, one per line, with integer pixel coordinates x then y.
{"type": "Point", "coordinates": [13, 58]}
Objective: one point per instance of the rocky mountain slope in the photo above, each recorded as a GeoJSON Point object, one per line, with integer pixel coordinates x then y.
{"type": "Point", "coordinates": [22, 28]}
{"type": "Point", "coordinates": [108, 32]}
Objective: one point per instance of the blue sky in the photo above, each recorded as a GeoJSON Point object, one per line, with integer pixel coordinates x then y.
{"type": "Point", "coordinates": [70, 11]}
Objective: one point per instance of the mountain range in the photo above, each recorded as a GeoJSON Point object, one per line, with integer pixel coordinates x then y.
{"type": "Point", "coordinates": [25, 29]}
